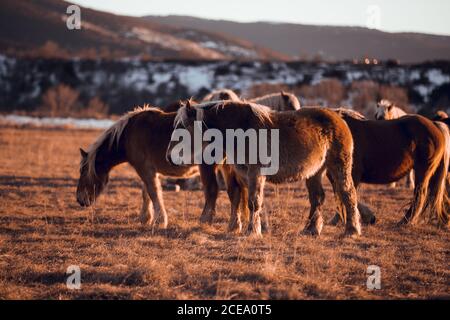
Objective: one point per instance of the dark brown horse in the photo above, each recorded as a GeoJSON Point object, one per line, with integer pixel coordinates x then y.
{"type": "Point", "coordinates": [310, 140]}
{"type": "Point", "coordinates": [140, 138]}
{"type": "Point", "coordinates": [386, 150]}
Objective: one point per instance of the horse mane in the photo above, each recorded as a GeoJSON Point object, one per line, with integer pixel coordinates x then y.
{"type": "Point", "coordinates": [349, 113]}
{"type": "Point", "coordinates": [111, 136]}
{"type": "Point", "coordinates": [263, 113]}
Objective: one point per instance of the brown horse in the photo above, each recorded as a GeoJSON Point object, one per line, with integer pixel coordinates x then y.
{"type": "Point", "coordinates": [386, 110]}
{"type": "Point", "coordinates": [310, 140]}
{"type": "Point", "coordinates": [385, 151]}
{"type": "Point", "coordinates": [139, 138]}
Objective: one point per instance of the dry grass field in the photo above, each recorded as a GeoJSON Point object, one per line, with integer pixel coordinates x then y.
{"type": "Point", "coordinates": [43, 231]}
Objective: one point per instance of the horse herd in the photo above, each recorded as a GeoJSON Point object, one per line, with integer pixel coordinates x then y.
{"type": "Point", "coordinates": [340, 144]}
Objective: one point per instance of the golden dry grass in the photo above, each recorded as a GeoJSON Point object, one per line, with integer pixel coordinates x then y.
{"type": "Point", "coordinates": [43, 231]}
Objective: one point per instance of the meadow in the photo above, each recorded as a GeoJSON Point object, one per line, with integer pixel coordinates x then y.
{"type": "Point", "coordinates": [43, 231]}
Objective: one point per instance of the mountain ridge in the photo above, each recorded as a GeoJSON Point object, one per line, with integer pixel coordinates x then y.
{"type": "Point", "coordinates": [332, 43]}
{"type": "Point", "coordinates": [38, 28]}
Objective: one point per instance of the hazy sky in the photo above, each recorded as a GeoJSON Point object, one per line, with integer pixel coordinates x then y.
{"type": "Point", "coordinates": [429, 16]}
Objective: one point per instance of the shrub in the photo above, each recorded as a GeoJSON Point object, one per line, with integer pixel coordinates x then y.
{"type": "Point", "coordinates": [59, 101]}
{"type": "Point", "coordinates": [96, 108]}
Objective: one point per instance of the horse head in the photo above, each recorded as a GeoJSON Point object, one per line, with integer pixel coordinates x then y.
{"type": "Point", "coordinates": [92, 181]}
{"type": "Point", "coordinates": [290, 101]}
{"type": "Point", "coordinates": [386, 110]}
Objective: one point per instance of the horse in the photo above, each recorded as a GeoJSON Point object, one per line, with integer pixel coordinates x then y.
{"type": "Point", "coordinates": [140, 138]}
{"type": "Point", "coordinates": [385, 151]}
{"type": "Point", "coordinates": [310, 140]}
{"type": "Point", "coordinates": [386, 110]}
{"type": "Point", "coordinates": [227, 178]}
{"type": "Point", "coordinates": [221, 94]}
{"type": "Point", "coordinates": [282, 101]}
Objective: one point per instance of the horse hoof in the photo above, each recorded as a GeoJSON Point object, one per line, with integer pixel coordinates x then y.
{"type": "Point", "coordinates": [253, 232]}
{"type": "Point", "coordinates": [206, 219]}
{"type": "Point", "coordinates": [256, 234]}
{"type": "Point", "coordinates": [352, 232]}
{"type": "Point", "coordinates": [311, 232]}
{"type": "Point", "coordinates": [144, 219]}
{"type": "Point", "coordinates": [265, 228]}
{"type": "Point", "coordinates": [235, 228]}
{"type": "Point", "coordinates": [371, 221]}
{"type": "Point", "coordinates": [335, 220]}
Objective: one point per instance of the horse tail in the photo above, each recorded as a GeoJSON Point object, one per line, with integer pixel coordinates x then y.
{"type": "Point", "coordinates": [438, 200]}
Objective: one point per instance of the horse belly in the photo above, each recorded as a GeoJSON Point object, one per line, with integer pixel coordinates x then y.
{"type": "Point", "coordinates": [179, 171]}
{"type": "Point", "coordinates": [383, 173]}
{"type": "Point", "coordinates": [300, 165]}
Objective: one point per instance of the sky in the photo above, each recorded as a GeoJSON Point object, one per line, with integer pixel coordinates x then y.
{"type": "Point", "coordinates": [425, 16]}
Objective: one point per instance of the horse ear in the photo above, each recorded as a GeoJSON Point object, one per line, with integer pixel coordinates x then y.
{"type": "Point", "coordinates": [83, 153]}
{"type": "Point", "coordinates": [284, 94]}
{"type": "Point", "coordinates": [188, 104]}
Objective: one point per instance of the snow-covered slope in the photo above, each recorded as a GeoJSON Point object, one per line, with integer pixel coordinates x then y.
{"type": "Point", "coordinates": [126, 83]}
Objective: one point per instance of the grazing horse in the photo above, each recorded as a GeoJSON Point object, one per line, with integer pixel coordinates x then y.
{"type": "Point", "coordinates": [386, 110]}
{"type": "Point", "coordinates": [139, 138]}
{"type": "Point", "coordinates": [310, 140]}
{"type": "Point", "coordinates": [282, 101]}
{"type": "Point", "coordinates": [386, 151]}
{"type": "Point", "coordinates": [227, 178]}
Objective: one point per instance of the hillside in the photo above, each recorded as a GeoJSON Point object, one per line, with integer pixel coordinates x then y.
{"type": "Point", "coordinates": [38, 28]}
{"type": "Point", "coordinates": [329, 42]}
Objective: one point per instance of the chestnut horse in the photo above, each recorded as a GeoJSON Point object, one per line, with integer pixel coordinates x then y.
{"type": "Point", "coordinates": [386, 110]}
{"type": "Point", "coordinates": [139, 138]}
{"type": "Point", "coordinates": [310, 140]}
{"type": "Point", "coordinates": [385, 151]}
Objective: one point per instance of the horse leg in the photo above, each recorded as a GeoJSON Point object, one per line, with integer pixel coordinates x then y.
{"type": "Point", "coordinates": [367, 215]}
{"type": "Point", "coordinates": [410, 180]}
{"type": "Point", "coordinates": [234, 190]}
{"type": "Point", "coordinates": [316, 196]}
{"type": "Point", "coordinates": [340, 169]}
{"type": "Point", "coordinates": [419, 201]}
{"type": "Point", "coordinates": [153, 185]}
{"type": "Point", "coordinates": [146, 215]}
{"type": "Point", "coordinates": [210, 190]}
{"type": "Point", "coordinates": [255, 201]}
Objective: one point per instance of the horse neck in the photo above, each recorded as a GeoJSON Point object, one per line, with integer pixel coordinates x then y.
{"type": "Point", "coordinates": [229, 117]}
{"type": "Point", "coordinates": [108, 157]}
